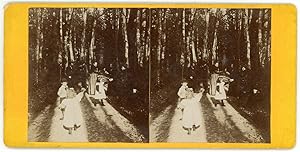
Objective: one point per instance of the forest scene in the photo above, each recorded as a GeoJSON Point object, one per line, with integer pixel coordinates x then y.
{"type": "Point", "coordinates": [68, 41]}
{"type": "Point", "coordinates": [189, 45]}
{"type": "Point", "coordinates": [147, 54]}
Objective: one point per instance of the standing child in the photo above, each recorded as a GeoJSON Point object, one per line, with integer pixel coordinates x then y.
{"type": "Point", "coordinates": [221, 93]}
{"type": "Point", "coordinates": [73, 114]}
{"type": "Point", "coordinates": [182, 94]}
{"type": "Point", "coordinates": [62, 94]}
{"type": "Point", "coordinates": [100, 93]}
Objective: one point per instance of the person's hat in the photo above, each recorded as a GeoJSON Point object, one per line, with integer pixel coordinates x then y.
{"type": "Point", "coordinates": [184, 81]}
{"type": "Point", "coordinates": [63, 80]}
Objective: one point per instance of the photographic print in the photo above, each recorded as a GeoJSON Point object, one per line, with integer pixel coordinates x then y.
{"type": "Point", "coordinates": [102, 75]}
{"type": "Point", "coordinates": [88, 75]}
{"type": "Point", "coordinates": [210, 75]}
{"type": "Point", "coordinates": [149, 75]}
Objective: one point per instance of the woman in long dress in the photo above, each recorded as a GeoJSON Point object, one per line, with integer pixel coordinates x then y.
{"type": "Point", "coordinates": [93, 79]}
{"type": "Point", "coordinates": [72, 115]}
{"type": "Point", "coordinates": [213, 79]}
{"type": "Point", "coordinates": [191, 119]}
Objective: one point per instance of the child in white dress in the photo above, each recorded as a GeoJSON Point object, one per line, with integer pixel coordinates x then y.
{"type": "Point", "coordinates": [100, 94]}
{"type": "Point", "coordinates": [62, 94]}
{"type": "Point", "coordinates": [182, 94]}
{"type": "Point", "coordinates": [191, 113]}
{"type": "Point", "coordinates": [73, 115]}
{"type": "Point", "coordinates": [221, 93]}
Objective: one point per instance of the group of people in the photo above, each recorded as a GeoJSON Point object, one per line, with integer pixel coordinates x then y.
{"type": "Point", "coordinates": [69, 103]}
{"type": "Point", "coordinates": [188, 103]}
{"type": "Point", "coordinates": [189, 100]}
{"type": "Point", "coordinates": [70, 95]}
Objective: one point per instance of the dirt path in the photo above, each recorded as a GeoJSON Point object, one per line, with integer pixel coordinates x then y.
{"type": "Point", "coordinates": [59, 134]}
{"type": "Point", "coordinates": [101, 124]}
{"type": "Point", "coordinates": [35, 131]}
{"type": "Point", "coordinates": [178, 134]}
{"type": "Point", "coordinates": [168, 124]}
{"type": "Point", "coordinates": [156, 125]}
{"type": "Point", "coordinates": [121, 128]}
{"type": "Point", "coordinates": [225, 124]}
{"type": "Point", "coordinates": [229, 117]}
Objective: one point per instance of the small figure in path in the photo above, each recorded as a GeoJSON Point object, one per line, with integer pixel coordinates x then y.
{"type": "Point", "coordinates": [215, 71]}
{"type": "Point", "coordinates": [182, 94]}
{"type": "Point", "coordinates": [93, 78]}
{"type": "Point", "coordinates": [100, 93]}
{"type": "Point", "coordinates": [221, 93]}
{"type": "Point", "coordinates": [62, 94]}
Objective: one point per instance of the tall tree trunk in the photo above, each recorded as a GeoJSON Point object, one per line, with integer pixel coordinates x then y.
{"type": "Point", "coordinates": [59, 58]}
{"type": "Point", "coordinates": [164, 40]}
{"type": "Point", "coordinates": [192, 35]}
{"type": "Point", "coordinates": [38, 43]}
{"type": "Point", "coordinates": [71, 52]}
{"type": "Point", "coordinates": [239, 22]}
{"type": "Point", "coordinates": [205, 40]}
{"type": "Point", "coordinates": [215, 40]}
{"type": "Point", "coordinates": [66, 50]}
{"type": "Point", "coordinates": [117, 29]}
{"type": "Point", "coordinates": [92, 44]}
{"type": "Point", "coordinates": [198, 46]}
{"type": "Point", "coordinates": [183, 48]}
{"type": "Point", "coordinates": [246, 33]}
{"type": "Point", "coordinates": [187, 38]}
{"type": "Point", "coordinates": [260, 37]}
{"type": "Point", "coordinates": [159, 46]}
{"type": "Point", "coordinates": [124, 22]}
{"type": "Point", "coordinates": [132, 49]}
{"type": "Point", "coordinates": [82, 50]}
{"type": "Point", "coordinates": [148, 34]}
{"type": "Point", "coordinates": [253, 34]}
{"type": "Point", "coordinates": [138, 38]}
{"type": "Point", "coordinates": [268, 35]}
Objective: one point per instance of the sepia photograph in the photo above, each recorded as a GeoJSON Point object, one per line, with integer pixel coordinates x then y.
{"type": "Point", "coordinates": [210, 75]}
{"type": "Point", "coordinates": [88, 75]}
{"type": "Point", "coordinates": [140, 75]}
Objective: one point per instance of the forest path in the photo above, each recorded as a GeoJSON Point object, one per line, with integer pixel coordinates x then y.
{"type": "Point", "coordinates": [60, 134]}
{"type": "Point", "coordinates": [100, 124]}
{"type": "Point", "coordinates": [37, 126]}
{"type": "Point", "coordinates": [168, 124]}
{"type": "Point", "coordinates": [232, 119]}
{"type": "Point", "coordinates": [220, 124]}
{"type": "Point", "coordinates": [178, 134]}
{"type": "Point", "coordinates": [117, 127]}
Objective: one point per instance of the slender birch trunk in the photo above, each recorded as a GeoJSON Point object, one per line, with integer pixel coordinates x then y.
{"type": "Point", "coordinates": [205, 40]}
{"type": "Point", "coordinates": [215, 41]}
{"type": "Point", "coordinates": [192, 34]}
{"type": "Point", "coordinates": [92, 44]}
{"type": "Point", "coordinates": [124, 22]}
{"type": "Point", "coordinates": [260, 37]}
{"type": "Point", "coordinates": [71, 52]}
{"type": "Point", "coordinates": [138, 38]}
{"type": "Point", "coordinates": [82, 50]}
{"type": "Point", "coordinates": [246, 32]}
{"type": "Point", "coordinates": [159, 46]}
